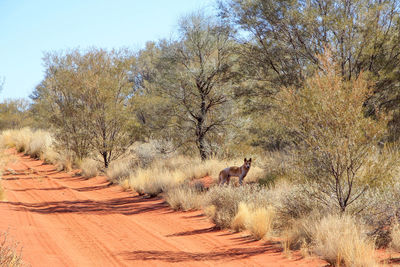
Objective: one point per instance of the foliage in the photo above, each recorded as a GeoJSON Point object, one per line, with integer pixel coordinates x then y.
{"type": "Point", "coordinates": [86, 96]}
{"type": "Point", "coordinates": [280, 41]}
{"type": "Point", "coordinates": [337, 145]}
{"type": "Point", "coordinates": [192, 77]}
{"type": "Point", "coordinates": [15, 114]}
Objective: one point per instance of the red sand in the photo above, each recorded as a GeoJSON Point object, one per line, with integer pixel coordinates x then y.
{"type": "Point", "coordinates": [61, 220]}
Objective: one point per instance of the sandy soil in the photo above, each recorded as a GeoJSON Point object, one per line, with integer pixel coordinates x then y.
{"type": "Point", "coordinates": [61, 220]}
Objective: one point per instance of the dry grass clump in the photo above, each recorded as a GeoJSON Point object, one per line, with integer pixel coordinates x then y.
{"type": "Point", "coordinates": [339, 239]}
{"type": "Point", "coordinates": [9, 255]}
{"type": "Point", "coordinates": [226, 201]}
{"type": "Point", "coordinates": [2, 193]}
{"type": "Point", "coordinates": [39, 142]}
{"type": "Point", "coordinates": [240, 220]}
{"type": "Point", "coordinates": [120, 170]}
{"type": "Point", "coordinates": [342, 240]}
{"type": "Point", "coordinates": [260, 222]}
{"type": "Point", "coordinates": [185, 197]}
{"type": "Point", "coordinates": [89, 167]}
{"type": "Point", "coordinates": [3, 161]}
{"type": "Point", "coordinates": [64, 161]}
{"type": "Point", "coordinates": [155, 179]}
{"type": "Point", "coordinates": [20, 139]}
{"type": "Point", "coordinates": [257, 220]}
{"type": "Point", "coordinates": [50, 156]}
{"type": "Point", "coordinates": [395, 237]}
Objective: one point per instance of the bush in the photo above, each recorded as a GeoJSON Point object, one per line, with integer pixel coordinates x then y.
{"type": "Point", "coordinates": [337, 145]}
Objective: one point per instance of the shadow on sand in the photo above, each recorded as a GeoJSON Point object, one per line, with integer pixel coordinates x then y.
{"type": "Point", "coordinates": [181, 256]}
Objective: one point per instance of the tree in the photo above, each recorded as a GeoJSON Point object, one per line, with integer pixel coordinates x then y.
{"type": "Point", "coordinates": [194, 75]}
{"type": "Point", "coordinates": [282, 38]}
{"type": "Point", "coordinates": [337, 146]}
{"type": "Point", "coordinates": [14, 114]}
{"type": "Point", "coordinates": [87, 97]}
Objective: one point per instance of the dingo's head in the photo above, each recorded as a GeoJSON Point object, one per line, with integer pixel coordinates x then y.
{"type": "Point", "coordinates": [247, 163]}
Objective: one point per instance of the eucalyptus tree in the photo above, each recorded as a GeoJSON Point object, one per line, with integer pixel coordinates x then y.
{"type": "Point", "coordinates": [85, 96]}
{"type": "Point", "coordinates": [281, 41]}
{"type": "Point", "coordinates": [193, 81]}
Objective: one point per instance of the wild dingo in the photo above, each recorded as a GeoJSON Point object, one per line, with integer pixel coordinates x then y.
{"type": "Point", "coordinates": [241, 172]}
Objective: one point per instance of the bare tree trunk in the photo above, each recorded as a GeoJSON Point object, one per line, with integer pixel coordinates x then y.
{"type": "Point", "coordinates": [106, 159]}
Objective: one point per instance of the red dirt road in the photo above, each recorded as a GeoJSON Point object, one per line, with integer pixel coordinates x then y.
{"type": "Point", "coordinates": [61, 220]}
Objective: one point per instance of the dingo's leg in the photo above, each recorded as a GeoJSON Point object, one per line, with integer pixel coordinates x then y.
{"type": "Point", "coordinates": [221, 179]}
{"type": "Point", "coordinates": [241, 180]}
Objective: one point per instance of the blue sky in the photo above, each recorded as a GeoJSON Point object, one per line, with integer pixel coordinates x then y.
{"type": "Point", "coordinates": [30, 27]}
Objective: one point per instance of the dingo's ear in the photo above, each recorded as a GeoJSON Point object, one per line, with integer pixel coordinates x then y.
{"type": "Point", "coordinates": [245, 159]}
{"type": "Point", "coordinates": [250, 159]}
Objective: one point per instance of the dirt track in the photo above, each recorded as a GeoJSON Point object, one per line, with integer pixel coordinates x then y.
{"type": "Point", "coordinates": [61, 220]}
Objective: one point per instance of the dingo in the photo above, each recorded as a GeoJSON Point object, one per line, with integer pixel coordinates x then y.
{"type": "Point", "coordinates": [241, 172]}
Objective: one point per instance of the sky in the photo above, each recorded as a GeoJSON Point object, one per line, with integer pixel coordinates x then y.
{"type": "Point", "coordinates": [28, 28]}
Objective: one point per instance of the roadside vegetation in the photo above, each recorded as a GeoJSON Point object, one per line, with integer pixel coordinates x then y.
{"type": "Point", "coordinates": [10, 254]}
{"type": "Point", "coordinates": [308, 90]}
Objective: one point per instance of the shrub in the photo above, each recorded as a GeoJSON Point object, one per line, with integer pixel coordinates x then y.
{"type": "Point", "coordinates": [336, 143]}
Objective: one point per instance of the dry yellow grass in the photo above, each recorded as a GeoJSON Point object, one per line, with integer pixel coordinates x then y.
{"type": "Point", "coordinates": [184, 197]}
{"type": "Point", "coordinates": [210, 211]}
{"type": "Point", "coordinates": [64, 161]}
{"type": "Point", "coordinates": [395, 236]}
{"type": "Point", "coordinates": [241, 218]}
{"type": "Point", "coordinates": [10, 255]}
{"type": "Point", "coordinates": [155, 179]}
{"type": "Point", "coordinates": [120, 170]}
{"type": "Point", "coordinates": [89, 167]}
{"type": "Point", "coordinates": [3, 161]}
{"type": "Point", "coordinates": [260, 222]}
{"type": "Point", "coordinates": [339, 240]}
{"type": "Point", "coordinates": [39, 142]}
